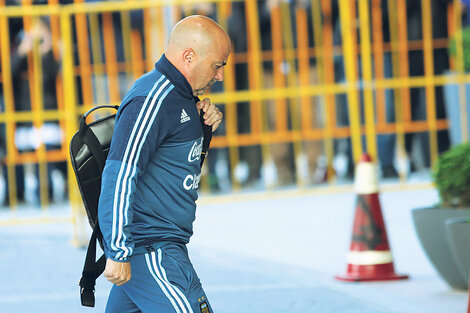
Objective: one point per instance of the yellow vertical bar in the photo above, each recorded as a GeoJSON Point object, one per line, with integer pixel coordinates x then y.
{"type": "Point", "coordinates": [255, 74]}
{"type": "Point", "coordinates": [323, 36]}
{"type": "Point", "coordinates": [367, 78]}
{"type": "Point", "coordinates": [84, 57]}
{"type": "Point", "coordinates": [31, 79]}
{"type": "Point", "coordinates": [429, 78]}
{"type": "Point", "coordinates": [55, 31]}
{"type": "Point", "coordinates": [354, 38]}
{"type": "Point", "coordinates": [154, 33]}
{"type": "Point", "coordinates": [305, 73]}
{"type": "Point", "coordinates": [136, 54]}
{"type": "Point", "coordinates": [304, 68]}
{"type": "Point", "coordinates": [9, 108]}
{"type": "Point", "coordinates": [161, 30]}
{"type": "Point", "coordinates": [278, 75]}
{"type": "Point", "coordinates": [403, 56]}
{"type": "Point", "coordinates": [231, 120]}
{"type": "Point", "coordinates": [223, 10]}
{"type": "Point", "coordinates": [347, 30]}
{"type": "Point", "coordinates": [98, 66]}
{"type": "Point", "coordinates": [176, 13]}
{"type": "Point", "coordinates": [461, 70]}
{"type": "Point", "coordinates": [110, 54]}
{"type": "Point", "coordinates": [452, 21]}
{"type": "Point", "coordinates": [254, 62]}
{"type": "Point", "coordinates": [292, 81]}
{"type": "Point", "coordinates": [126, 40]}
{"type": "Point", "coordinates": [27, 25]}
{"type": "Point", "coordinates": [405, 97]}
{"type": "Point", "coordinates": [71, 119]}
{"type": "Point", "coordinates": [287, 35]}
{"type": "Point", "coordinates": [377, 37]}
{"type": "Point", "coordinates": [395, 36]}
{"type": "Point", "coordinates": [148, 23]}
{"type": "Point", "coordinates": [37, 115]}
{"type": "Point", "coordinates": [317, 36]}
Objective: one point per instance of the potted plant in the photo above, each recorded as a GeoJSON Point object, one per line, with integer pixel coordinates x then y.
{"type": "Point", "coordinates": [458, 234]}
{"type": "Point", "coordinates": [451, 89]}
{"type": "Point", "coordinates": [452, 179]}
{"type": "Point", "coordinates": [451, 176]}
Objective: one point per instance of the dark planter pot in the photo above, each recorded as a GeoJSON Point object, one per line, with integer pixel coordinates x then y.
{"type": "Point", "coordinates": [458, 235]}
{"type": "Point", "coordinates": [429, 225]}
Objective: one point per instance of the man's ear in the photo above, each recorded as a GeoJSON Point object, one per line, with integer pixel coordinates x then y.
{"type": "Point", "coordinates": [188, 56]}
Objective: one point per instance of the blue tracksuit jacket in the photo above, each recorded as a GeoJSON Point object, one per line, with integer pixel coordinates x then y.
{"type": "Point", "coordinates": [153, 167]}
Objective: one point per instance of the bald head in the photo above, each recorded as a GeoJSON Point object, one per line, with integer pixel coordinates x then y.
{"type": "Point", "coordinates": [196, 32]}
{"type": "Point", "coordinates": [198, 47]}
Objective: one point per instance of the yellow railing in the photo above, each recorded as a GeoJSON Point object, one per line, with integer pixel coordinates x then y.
{"type": "Point", "coordinates": [291, 84]}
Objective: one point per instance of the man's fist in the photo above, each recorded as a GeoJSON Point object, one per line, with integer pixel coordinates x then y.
{"type": "Point", "coordinates": [212, 115]}
{"type": "Point", "coordinates": [118, 273]}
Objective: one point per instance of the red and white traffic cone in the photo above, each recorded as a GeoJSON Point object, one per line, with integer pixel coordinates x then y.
{"type": "Point", "coordinates": [468, 305]}
{"type": "Point", "coordinates": [370, 258]}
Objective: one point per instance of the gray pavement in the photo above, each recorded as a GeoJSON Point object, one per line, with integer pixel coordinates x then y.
{"type": "Point", "coordinates": [256, 253]}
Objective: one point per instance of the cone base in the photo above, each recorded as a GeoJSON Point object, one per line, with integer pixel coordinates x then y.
{"type": "Point", "coordinates": [357, 278]}
{"type": "Point", "coordinates": [374, 272]}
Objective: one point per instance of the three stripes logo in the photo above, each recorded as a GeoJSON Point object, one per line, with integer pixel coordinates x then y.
{"type": "Point", "coordinates": [184, 116]}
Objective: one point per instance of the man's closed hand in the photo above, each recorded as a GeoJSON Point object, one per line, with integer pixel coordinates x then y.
{"type": "Point", "coordinates": [118, 273]}
{"type": "Point", "coordinates": [212, 115]}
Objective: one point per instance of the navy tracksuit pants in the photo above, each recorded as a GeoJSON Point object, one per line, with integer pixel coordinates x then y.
{"type": "Point", "coordinates": [163, 280]}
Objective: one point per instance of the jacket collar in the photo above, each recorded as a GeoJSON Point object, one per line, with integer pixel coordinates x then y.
{"type": "Point", "coordinates": [174, 75]}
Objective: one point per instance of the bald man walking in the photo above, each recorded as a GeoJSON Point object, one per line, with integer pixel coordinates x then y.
{"type": "Point", "coordinates": [150, 180]}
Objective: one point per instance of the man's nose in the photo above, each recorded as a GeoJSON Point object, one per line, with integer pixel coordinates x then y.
{"type": "Point", "coordinates": [219, 76]}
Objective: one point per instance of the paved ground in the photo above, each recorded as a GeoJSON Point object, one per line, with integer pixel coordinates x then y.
{"type": "Point", "coordinates": [255, 254]}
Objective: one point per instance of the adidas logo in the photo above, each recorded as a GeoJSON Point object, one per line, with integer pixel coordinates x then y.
{"type": "Point", "coordinates": [184, 116]}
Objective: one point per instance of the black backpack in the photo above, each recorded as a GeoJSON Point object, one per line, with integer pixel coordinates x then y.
{"type": "Point", "coordinates": [89, 148]}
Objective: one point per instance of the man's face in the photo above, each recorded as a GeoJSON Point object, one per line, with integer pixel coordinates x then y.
{"type": "Point", "coordinates": [208, 70]}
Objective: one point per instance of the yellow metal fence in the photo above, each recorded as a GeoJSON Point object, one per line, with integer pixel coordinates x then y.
{"type": "Point", "coordinates": [282, 82]}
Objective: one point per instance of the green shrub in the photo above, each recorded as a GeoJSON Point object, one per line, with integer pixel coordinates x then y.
{"type": "Point", "coordinates": [452, 177]}
{"type": "Point", "coordinates": [465, 45]}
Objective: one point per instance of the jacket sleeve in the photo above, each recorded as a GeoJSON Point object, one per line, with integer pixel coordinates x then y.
{"type": "Point", "coordinates": [139, 130]}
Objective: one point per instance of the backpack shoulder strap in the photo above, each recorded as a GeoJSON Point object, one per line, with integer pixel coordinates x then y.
{"type": "Point", "coordinates": [91, 270]}
{"type": "Point", "coordinates": [207, 133]}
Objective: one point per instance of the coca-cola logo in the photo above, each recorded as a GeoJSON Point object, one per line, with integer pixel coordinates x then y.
{"type": "Point", "coordinates": [195, 153]}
